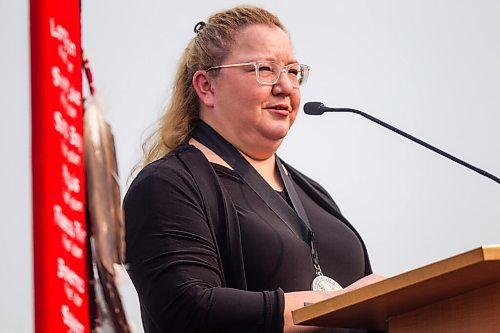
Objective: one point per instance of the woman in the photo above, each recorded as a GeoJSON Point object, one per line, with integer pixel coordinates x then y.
{"type": "Point", "coordinates": [221, 235]}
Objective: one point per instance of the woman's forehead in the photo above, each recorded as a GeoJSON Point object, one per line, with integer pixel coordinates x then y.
{"type": "Point", "coordinates": [262, 42]}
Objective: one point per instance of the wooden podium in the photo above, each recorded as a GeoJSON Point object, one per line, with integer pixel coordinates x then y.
{"type": "Point", "coordinates": [458, 294]}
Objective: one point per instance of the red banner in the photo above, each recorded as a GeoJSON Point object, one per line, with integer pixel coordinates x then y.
{"type": "Point", "coordinates": [60, 235]}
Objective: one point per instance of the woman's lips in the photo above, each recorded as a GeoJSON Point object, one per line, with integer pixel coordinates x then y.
{"type": "Point", "coordinates": [280, 109]}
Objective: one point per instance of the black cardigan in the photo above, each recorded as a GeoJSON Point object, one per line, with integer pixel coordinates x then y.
{"type": "Point", "coordinates": [196, 305]}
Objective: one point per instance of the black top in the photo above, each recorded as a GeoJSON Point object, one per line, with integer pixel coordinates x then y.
{"type": "Point", "coordinates": [207, 255]}
{"type": "Point", "coordinates": [275, 257]}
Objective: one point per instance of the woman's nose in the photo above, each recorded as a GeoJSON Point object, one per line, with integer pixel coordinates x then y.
{"type": "Point", "coordinates": [284, 84]}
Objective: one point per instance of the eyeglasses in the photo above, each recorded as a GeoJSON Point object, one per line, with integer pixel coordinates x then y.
{"type": "Point", "coordinates": [268, 72]}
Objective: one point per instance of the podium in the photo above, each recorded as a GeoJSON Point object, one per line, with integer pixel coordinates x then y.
{"type": "Point", "coordinates": [458, 294]}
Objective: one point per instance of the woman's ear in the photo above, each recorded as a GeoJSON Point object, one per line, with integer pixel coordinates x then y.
{"type": "Point", "coordinates": [202, 83]}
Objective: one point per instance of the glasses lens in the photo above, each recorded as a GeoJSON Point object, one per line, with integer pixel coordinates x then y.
{"type": "Point", "coordinates": [298, 74]}
{"type": "Point", "coordinates": [268, 73]}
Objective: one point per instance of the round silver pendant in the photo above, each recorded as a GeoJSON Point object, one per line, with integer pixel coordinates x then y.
{"type": "Point", "coordinates": [324, 283]}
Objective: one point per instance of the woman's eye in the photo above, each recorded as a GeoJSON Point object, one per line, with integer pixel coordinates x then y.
{"type": "Point", "coordinates": [294, 72]}
{"type": "Point", "coordinates": [265, 68]}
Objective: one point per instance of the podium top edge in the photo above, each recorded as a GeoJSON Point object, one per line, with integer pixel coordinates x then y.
{"type": "Point", "coordinates": [401, 283]}
{"type": "Point", "coordinates": [491, 252]}
{"type": "Point", "coordinates": [458, 261]}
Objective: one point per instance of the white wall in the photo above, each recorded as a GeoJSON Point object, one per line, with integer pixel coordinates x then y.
{"type": "Point", "coordinates": [16, 281]}
{"type": "Point", "coordinates": [429, 67]}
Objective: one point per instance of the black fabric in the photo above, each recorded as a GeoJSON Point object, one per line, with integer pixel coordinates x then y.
{"type": "Point", "coordinates": [189, 252]}
{"type": "Point", "coordinates": [215, 142]}
{"type": "Point", "coordinates": [275, 257]}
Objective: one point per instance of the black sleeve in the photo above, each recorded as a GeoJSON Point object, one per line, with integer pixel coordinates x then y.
{"type": "Point", "coordinates": [173, 263]}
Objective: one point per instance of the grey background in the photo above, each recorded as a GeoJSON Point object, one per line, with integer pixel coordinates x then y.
{"type": "Point", "coordinates": [430, 67]}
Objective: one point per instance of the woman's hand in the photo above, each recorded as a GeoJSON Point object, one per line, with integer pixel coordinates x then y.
{"type": "Point", "coordinates": [296, 300]}
{"type": "Point", "coordinates": [364, 281]}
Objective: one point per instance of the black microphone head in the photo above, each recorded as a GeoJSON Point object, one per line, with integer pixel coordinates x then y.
{"type": "Point", "coordinates": [313, 108]}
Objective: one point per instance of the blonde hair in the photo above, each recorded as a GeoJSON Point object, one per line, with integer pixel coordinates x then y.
{"type": "Point", "coordinates": [208, 48]}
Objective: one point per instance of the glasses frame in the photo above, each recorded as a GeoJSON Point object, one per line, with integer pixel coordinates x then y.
{"type": "Point", "coordinates": [256, 64]}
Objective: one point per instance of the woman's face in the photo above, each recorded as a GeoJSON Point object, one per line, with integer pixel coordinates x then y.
{"type": "Point", "coordinates": [254, 117]}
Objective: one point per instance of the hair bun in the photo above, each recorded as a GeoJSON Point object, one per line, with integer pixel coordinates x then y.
{"type": "Point", "coordinates": [199, 26]}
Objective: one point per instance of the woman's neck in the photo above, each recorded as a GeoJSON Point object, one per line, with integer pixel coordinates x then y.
{"type": "Point", "coordinates": [268, 170]}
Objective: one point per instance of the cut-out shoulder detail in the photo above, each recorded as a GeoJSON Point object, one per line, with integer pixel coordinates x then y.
{"type": "Point", "coordinates": [271, 176]}
{"type": "Point", "coordinates": [209, 154]}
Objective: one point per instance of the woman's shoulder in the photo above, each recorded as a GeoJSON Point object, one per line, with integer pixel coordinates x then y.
{"type": "Point", "coordinates": [170, 169]}
{"type": "Point", "coordinates": [310, 186]}
{"type": "Point", "coordinates": [300, 176]}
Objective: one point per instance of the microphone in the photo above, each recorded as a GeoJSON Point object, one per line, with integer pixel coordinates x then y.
{"type": "Point", "coordinates": [317, 108]}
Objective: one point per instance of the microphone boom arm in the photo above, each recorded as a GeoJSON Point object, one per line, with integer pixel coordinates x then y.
{"type": "Point", "coordinates": [412, 138]}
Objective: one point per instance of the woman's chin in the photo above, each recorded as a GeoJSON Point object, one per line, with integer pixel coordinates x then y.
{"type": "Point", "coordinates": [278, 132]}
